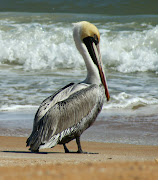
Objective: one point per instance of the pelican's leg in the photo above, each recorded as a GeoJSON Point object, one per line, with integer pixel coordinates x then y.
{"type": "Point", "coordinates": [66, 149]}
{"type": "Point", "coordinates": [79, 147]}
{"type": "Point", "coordinates": [34, 151]}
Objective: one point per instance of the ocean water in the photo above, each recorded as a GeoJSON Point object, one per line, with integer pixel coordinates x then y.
{"type": "Point", "coordinates": [38, 56]}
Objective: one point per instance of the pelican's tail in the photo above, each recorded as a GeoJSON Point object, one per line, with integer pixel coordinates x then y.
{"type": "Point", "coordinates": [41, 137]}
{"type": "Point", "coordinates": [51, 143]}
{"type": "Point", "coordinates": [33, 141]}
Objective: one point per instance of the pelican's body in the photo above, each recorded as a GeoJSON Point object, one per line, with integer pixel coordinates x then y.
{"type": "Point", "coordinates": [64, 116]}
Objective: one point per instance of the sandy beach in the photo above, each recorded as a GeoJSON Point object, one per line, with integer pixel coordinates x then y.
{"type": "Point", "coordinates": [113, 161]}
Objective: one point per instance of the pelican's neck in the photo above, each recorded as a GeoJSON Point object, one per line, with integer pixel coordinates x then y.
{"type": "Point", "coordinates": [92, 70]}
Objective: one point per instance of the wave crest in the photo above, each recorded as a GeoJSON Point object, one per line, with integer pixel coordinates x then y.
{"type": "Point", "coordinates": [36, 46]}
{"type": "Point", "coordinates": [127, 101]}
{"type": "Point", "coordinates": [42, 46]}
{"type": "Point", "coordinates": [131, 51]}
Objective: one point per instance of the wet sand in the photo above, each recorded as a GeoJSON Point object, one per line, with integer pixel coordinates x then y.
{"type": "Point", "coordinates": [113, 161]}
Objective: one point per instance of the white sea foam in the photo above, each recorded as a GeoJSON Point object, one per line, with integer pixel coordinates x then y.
{"type": "Point", "coordinates": [41, 46]}
{"type": "Point", "coordinates": [17, 107]}
{"type": "Point", "coordinates": [131, 51]}
{"type": "Point", "coordinates": [127, 101]}
{"type": "Point", "coordinates": [36, 46]}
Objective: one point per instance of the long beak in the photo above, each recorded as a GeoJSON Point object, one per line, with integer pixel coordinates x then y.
{"type": "Point", "coordinates": [94, 51]}
{"type": "Point", "coordinates": [101, 72]}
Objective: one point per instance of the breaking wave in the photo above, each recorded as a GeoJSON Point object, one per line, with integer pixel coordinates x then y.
{"type": "Point", "coordinates": [42, 46]}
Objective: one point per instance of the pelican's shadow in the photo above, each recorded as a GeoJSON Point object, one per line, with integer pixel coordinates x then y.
{"type": "Point", "coordinates": [29, 152]}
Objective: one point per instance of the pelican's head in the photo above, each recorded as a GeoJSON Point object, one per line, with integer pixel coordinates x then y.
{"type": "Point", "coordinates": [87, 38]}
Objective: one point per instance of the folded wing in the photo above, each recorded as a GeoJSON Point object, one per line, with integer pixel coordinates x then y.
{"type": "Point", "coordinates": [63, 116]}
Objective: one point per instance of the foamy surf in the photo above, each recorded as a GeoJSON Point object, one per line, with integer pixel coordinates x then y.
{"type": "Point", "coordinates": [131, 51]}
{"type": "Point", "coordinates": [16, 108]}
{"type": "Point", "coordinates": [42, 46]}
{"type": "Point", "coordinates": [128, 101]}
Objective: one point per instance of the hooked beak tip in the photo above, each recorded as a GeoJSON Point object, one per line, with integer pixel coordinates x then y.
{"type": "Point", "coordinates": [108, 98]}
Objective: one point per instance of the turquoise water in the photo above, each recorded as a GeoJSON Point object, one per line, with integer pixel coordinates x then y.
{"type": "Point", "coordinates": [38, 56]}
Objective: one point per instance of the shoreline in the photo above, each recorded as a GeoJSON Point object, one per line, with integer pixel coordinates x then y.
{"type": "Point", "coordinates": [17, 162]}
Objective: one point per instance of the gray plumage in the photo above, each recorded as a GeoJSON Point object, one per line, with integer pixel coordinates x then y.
{"type": "Point", "coordinates": [66, 119]}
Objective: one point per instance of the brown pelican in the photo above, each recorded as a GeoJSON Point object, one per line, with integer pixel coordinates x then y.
{"type": "Point", "coordinates": [64, 115]}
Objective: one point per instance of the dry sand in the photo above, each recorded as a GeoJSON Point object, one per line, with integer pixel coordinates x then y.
{"type": "Point", "coordinates": [114, 161]}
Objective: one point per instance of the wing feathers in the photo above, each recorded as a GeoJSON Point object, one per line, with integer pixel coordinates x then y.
{"type": "Point", "coordinates": [50, 101]}
{"type": "Point", "coordinates": [64, 115]}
